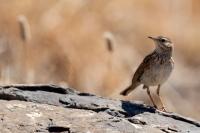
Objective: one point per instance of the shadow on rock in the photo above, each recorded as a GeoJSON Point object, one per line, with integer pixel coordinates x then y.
{"type": "Point", "coordinates": [133, 109]}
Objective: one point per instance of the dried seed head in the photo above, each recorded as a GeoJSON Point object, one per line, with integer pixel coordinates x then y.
{"type": "Point", "coordinates": [24, 26]}
{"type": "Point", "coordinates": [109, 38]}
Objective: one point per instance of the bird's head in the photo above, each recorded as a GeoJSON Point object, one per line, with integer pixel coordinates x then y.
{"type": "Point", "coordinates": [162, 43]}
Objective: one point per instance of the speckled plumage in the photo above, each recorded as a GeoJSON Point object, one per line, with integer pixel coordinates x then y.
{"type": "Point", "coordinates": [155, 68]}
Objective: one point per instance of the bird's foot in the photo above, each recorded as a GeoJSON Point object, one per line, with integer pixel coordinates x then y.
{"type": "Point", "coordinates": [160, 109]}
{"type": "Point", "coordinates": [163, 109]}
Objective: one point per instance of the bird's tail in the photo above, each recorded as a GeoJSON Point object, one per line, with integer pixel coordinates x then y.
{"type": "Point", "coordinates": [129, 89]}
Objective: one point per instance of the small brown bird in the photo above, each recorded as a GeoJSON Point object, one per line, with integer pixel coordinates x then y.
{"type": "Point", "coordinates": [155, 68]}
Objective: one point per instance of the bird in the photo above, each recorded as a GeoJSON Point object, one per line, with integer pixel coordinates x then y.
{"type": "Point", "coordinates": [155, 69]}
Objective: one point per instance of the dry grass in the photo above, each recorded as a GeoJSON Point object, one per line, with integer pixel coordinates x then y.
{"type": "Point", "coordinates": [63, 42]}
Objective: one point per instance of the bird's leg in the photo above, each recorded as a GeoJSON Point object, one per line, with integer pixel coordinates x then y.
{"type": "Point", "coordinates": [149, 94]}
{"type": "Point", "coordinates": [158, 93]}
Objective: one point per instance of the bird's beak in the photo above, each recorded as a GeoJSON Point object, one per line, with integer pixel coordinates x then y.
{"type": "Point", "coordinates": [153, 38]}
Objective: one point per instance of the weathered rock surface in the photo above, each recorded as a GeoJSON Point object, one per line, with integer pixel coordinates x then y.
{"type": "Point", "coordinates": [49, 108]}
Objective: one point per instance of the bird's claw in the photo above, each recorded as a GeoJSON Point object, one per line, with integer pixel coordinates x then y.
{"type": "Point", "coordinates": [163, 109]}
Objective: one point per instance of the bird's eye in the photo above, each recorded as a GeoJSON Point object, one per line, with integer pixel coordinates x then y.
{"type": "Point", "coordinates": [162, 40]}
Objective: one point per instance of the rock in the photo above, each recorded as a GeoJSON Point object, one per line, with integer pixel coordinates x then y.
{"type": "Point", "coordinates": [49, 108]}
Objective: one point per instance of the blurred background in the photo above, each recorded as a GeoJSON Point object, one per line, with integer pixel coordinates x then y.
{"type": "Point", "coordinates": [96, 46]}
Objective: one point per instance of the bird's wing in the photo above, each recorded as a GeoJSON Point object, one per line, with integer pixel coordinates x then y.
{"type": "Point", "coordinates": [138, 74]}
{"type": "Point", "coordinates": [144, 65]}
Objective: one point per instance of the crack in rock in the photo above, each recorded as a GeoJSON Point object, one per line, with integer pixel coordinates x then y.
{"type": "Point", "coordinates": [180, 118]}
{"type": "Point", "coordinates": [137, 121]}
{"type": "Point", "coordinates": [41, 87]}
{"type": "Point", "coordinates": [58, 129]}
